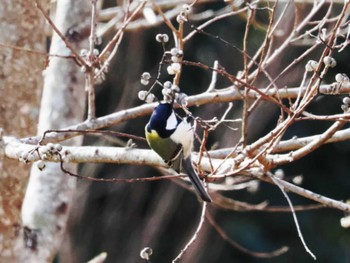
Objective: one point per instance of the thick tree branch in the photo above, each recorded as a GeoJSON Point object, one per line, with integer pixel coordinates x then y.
{"type": "Point", "coordinates": [217, 96]}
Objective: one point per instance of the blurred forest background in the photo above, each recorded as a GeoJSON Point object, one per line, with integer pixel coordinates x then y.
{"type": "Point", "coordinates": [123, 218]}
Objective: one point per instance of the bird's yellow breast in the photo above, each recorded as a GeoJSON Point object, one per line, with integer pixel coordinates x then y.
{"type": "Point", "coordinates": [164, 147]}
{"type": "Point", "coordinates": [153, 135]}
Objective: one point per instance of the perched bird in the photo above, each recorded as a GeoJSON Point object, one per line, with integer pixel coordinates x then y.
{"type": "Point", "coordinates": [172, 139]}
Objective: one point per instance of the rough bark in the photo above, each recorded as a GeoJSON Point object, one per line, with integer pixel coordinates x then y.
{"type": "Point", "coordinates": [20, 90]}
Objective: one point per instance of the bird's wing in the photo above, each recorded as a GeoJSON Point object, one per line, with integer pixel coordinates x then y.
{"type": "Point", "coordinates": [176, 161]}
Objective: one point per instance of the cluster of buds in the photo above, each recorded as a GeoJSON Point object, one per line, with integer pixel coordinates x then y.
{"type": "Point", "coordinates": [176, 55]}
{"type": "Point", "coordinates": [312, 65]}
{"type": "Point", "coordinates": [99, 74]}
{"type": "Point", "coordinates": [171, 92]}
{"type": "Point", "coordinates": [146, 96]}
{"type": "Point", "coordinates": [44, 152]}
{"type": "Point", "coordinates": [49, 149]}
{"type": "Point", "coordinates": [84, 53]}
{"type": "Point", "coordinates": [176, 58]}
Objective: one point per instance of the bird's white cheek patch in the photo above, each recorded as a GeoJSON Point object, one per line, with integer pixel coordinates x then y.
{"type": "Point", "coordinates": [171, 122]}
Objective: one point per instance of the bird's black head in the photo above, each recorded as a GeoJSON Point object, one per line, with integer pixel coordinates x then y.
{"type": "Point", "coordinates": [160, 118]}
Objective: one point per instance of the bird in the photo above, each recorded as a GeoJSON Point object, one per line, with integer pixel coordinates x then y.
{"type": "Point", "coordinates": [172, 139]}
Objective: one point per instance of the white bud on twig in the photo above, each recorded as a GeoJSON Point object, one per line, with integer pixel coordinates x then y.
{"type": "Point", "coordinates": [83, 52]}
{"type": "Point", "coordinates": [329, 62]}
{"type": "Point", "coordinates": [162, 38]}
{"type": "Point", "coordinates": [142, 95]}
{"type": "Point", "coordinates": [298, 180]}
{"type": "Point", "coordinates": [145, 77]}
{"type": "Point", "coordinates": [43, 149]}
{"type": "Point", "coordinates": [170, 70]}
{"type": "Point", "coordinates": [342, 78]}
{"type": "Point", "coordinates": [311, 65]}
{"type": "Point", "coordinates": [345, 108]}
{"type": "Point", "coordinates": [24, 157]}
{"type": "Point", "coordinates": [51, 147]}
{"type": "Point", "coordinates": [181, 98]}
{"type": "Point", "coordinates": [150, 98]}
{"type": "Point", "coordinates": [346, 101]}
{"type": "Point", "coordinates": [144, 82]}
{"type": "Point", "coordinates": [279, 173]}
{"type": "Point", "coordinates": [186, 8]}
{"type": "Point", "coordinates": [95, 52]}
{"type": "Point", "coordinates": [41, 165]}
{"type": "Point", "coordinates": [174, 51]}
{"type": "Point", "coordinates": [167, 92]}
{"type": "Point", "coordinates": [145, 96]}
{"type": "Point", "coordinates": [167, 84]}
{"type": "Point", "coordinates": [58, 147]}
{"type": "Point", "coordinates": [181, 18]}
{"type": "Point", "coordinates": [174, 68]}
{"type": "Point", "coordinates": [146, 253]}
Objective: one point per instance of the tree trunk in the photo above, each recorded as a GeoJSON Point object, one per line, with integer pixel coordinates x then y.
{"type": "Point", "coordinates": [50, 192]}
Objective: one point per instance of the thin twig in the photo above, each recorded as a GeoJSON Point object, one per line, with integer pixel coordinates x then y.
{"type": "Point", "coordinates": [214, 77]}
{"type": "Point", "coordinates": [165, 19]}
{"type": "Point", "coordinates": [115, 39]}
{"type": "Point", "coordinates": [89, 75]}
{"type": "Point", "coordinates": [245, 114]}
{"type": "Point", "coordinates": [118, 40]}
{"type": "Point", "coordinates": [58, 32]}
{"type": "Point", "coordinates": [300, 234]}
{"type": "Point", "coordinates": [211, 21]}
{"type": "Point", "coordinates": [116, 180]}
{"type": "Point", "coordinates": [36, 52]}
{"type": "Point", "coordinates": [194, 237]}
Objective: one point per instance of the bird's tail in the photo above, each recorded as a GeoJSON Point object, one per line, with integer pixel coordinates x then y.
{"type": "Point", "coordinates": [196, 182]}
